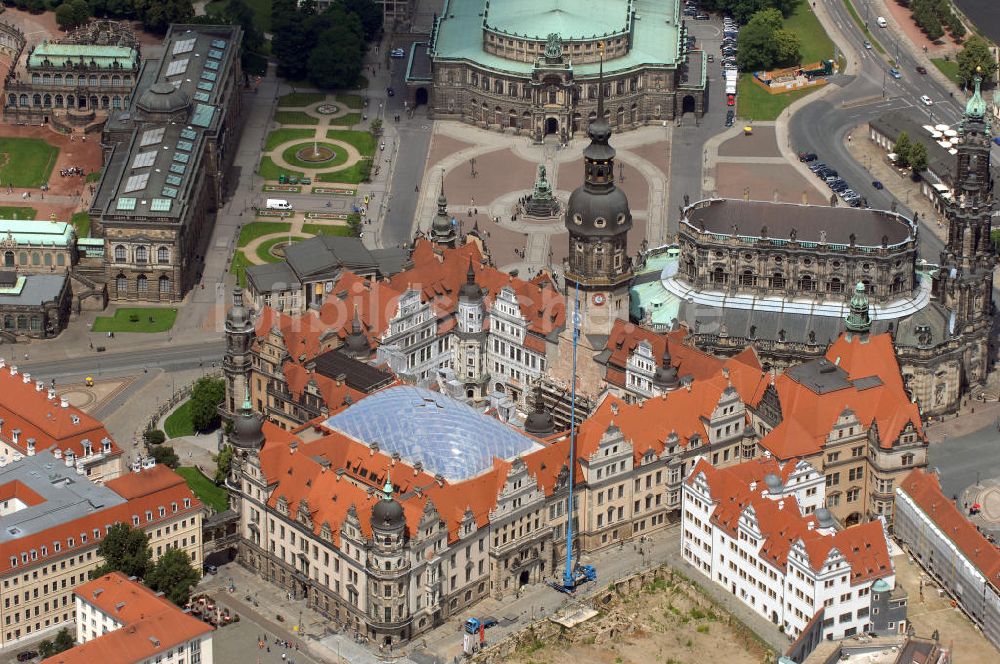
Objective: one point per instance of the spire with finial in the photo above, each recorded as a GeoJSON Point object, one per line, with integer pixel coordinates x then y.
{"type": "Point", "coordinates": [976, 106]}
{"type": "Point", "coordinates": [356, 343]}
{"type": "Point", "coordinates": [539, 422]}
{"type": "Point", "coordinates": [442, 230]}
{"type": "Point", "coordinates": [247, 404]}
{"type": "Point", "coordinates": [470, 290]}
{"type": "Point", "coordinates": [387, 487]}
{"type": "Point", "coordinates": [859, 318]}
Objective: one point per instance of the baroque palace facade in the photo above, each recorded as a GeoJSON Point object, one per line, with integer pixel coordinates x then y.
{"type": "Point", "coordinates": [533, 68]}
{"type": "Point", "coordinates": [754, 273]}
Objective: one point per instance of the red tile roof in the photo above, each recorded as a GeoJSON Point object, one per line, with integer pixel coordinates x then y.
{"type": "Point", "coordinates": [19, 490]}
{"type": "Point", "coordinates": [147, 491]}
{"type": "Point", "coordinates": [782, 524]}
{"type": "Point", "coordinates": [925, 490]}
{"type": "Point", "coordinates": [808, 417]}
{"type": "Point", "coordinates": [625, 336]}
{"type": "Point", "coordinates": [26, 406]}
{"type": "Point", "coordinates": [151, 625]}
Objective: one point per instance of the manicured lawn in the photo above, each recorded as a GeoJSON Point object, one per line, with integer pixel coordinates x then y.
{"type": "Point", "coordinates": [816, 45]}
{"type": "Point", "coordinates": [949, 68]}
{"type": "Point", "coordinates": [755, 103]}
{"type": "Point", "coordinates": [147, 319]}
{"type": "Point", "coordinates": [326, 229]}
{"type": "Point", "coordinates": [362, 140]}
{"type": "Point", "coordinates": [18, 212]}
{"type": "Point", "coordinates": [205, 489]}
{"type": "Point", "coordinates": [94, 176]}
{"type": "Point", "coordinates": [279, 136]}
{"type": "Point", "coordinates": [238, 267]}
{"type": "Point", "coordinates": [290, 156]}
{"type": "Point", "coordinates": [295, 118]}
{"type": "Point", "coordinates": [300, 99]}
{"type": "Point", "coordinates": [81, 222]}
{"type": "Point", "coordinates": [178, 423]}
{"type": "Point", "coordinates": [351, 101]}
{"type": "Point", "coordinates": [256, 229]}
{"type": "Point", "coordinates": [264, 248]}
{"type": "Point", "coordinates": [346, 120]}
{"type": "Point", "coordinates": [350, 175]}
{"type": "Point", "coordinates": [26, 162]}
{"type": "Point", "coordinates": [270, 170]}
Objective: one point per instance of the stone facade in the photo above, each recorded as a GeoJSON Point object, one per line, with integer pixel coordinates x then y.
{"type": "Point", "coordinates": [546, 82]}
{"type": "Point", "coordinates": [76, 81]}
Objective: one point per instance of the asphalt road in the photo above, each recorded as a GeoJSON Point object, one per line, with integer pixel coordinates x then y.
{"type": "Point", "coordinates": [966, 460]}
{"type": "Point", "coordinates": [174, 357]}
{"type": "Point", "coordinates": [688, 144]}
{"type": "Point", "coordinates": [821, 127]}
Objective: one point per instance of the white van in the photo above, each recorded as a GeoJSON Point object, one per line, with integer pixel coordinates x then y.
{"type": "Point", "coordinates": [278, 204]}
{"type": "Point", "coordinates": [882, 23]}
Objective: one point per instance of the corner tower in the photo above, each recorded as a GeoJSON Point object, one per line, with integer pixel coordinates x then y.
{"type": "Point", "coordinates": [598, 220]}
{"type": "Point", "coordinates": [236, 363]}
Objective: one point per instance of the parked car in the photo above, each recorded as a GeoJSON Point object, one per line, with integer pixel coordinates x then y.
{"type": "Point", "coordinates": [807, 156]}
{"type": "Point", "coordinates": [816, 167]}
{"type": "Point", "coordinates": [711, 58]}
{"type": "Point", "coordinates": [868, 45]}
{"type": "Point", "coordinates": [211, 569]}
{"type": "Point", "coordinates": [877, 185]}
{"type": "Point", "coordinates": [926, 100]}
{"type": "Point", "coordinates": [895, 73]}
{"type": "Point", "coordinates": [26, 655]}
{"type": "Point", "coordinates": [397, 53]}
{"type": "Point", "coordinates": [702, 17]}
{"type": "Point", "coordinates": [921, 70]}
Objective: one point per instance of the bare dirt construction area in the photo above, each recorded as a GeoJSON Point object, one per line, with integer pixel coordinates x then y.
{"type": "Point", "coordinates": [667, 621]}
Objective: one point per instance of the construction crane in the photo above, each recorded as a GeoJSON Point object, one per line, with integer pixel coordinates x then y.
{"type": "Point", "coordinates": [575, 574]}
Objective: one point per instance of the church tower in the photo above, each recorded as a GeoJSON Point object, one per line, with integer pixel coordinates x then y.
{"type": "Point", "coordinates": [236, 363]}
{"type": "Point", "coordinates": [443, 231]}
{"type": "Point", "coordinates": [470, 351]}
{"type": "Point", "coordinates": [598, 220]}
{"type": "Point", "coordinates": [965, 281]}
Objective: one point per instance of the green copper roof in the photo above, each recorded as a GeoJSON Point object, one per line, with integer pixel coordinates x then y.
{"type": "Point", "coordinates": [647, 296]}
{"type": "Point", "coordinates": [976, 108]}
{"type": "Point", "coordinates": [38, 232]}
{"type": "Point", "coordinates": [655, 38]}
{"type": "Point", "coordinates": [859, 319]}
{"type": "Point", "coordinates": [104, 57]}
{"type": "Point", "coordinates": [570, 19]}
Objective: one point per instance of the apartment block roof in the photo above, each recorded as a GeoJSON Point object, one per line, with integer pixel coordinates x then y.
{"type": "Point", "coordinates": [925, 490]}
{"type": "Point", "coordinates": [77, 513]}
{"type": "Point", "coordinates": [30, 408]}
{"type": "Point", "coordinates": [151, 625]}
{"type": "Point", "coordinates": [735, 491]}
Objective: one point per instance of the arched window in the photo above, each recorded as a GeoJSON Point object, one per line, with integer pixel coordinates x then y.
{"type": "Point", "coordinates": [162, 255]}
{"type": "Point", "coordinates": [116, 80]}
{"type": "Point", "coordinates": [46, 79]}
{"type": "Point", "coordinates": [121, 284]}
{"type": "Point", "coordinates": [60, 259]}
{"type": "Point", "coordinates": [778, 280]}
{"type": "Point", "coordinates": [57, 79]}
{"type": "Point", "coordinates": [93, 80]}
{"type": "Point", "coordinates": [35, 258]}
{"type": "Point", "coordinates": [36, 100]}
{"type": "Point", "coordinates": [59, 101]}
{"type": "Point", "coordinates": [8, 322]}
{"type": "Point", "coordinates": [36, 323]}
{"type": "Point", "coordinates": [12, 100]}
{"type": "Point", "coordinates": [24, 258]}
{"type": "Point", "coordinates": [141, 254]}
{"type": "Point", "coordinates": [164, 285]}
{"type": "Point", "coordinates": [119, 254]}
{"type": "Point", "coordinates": [141, 283]}
{"type": "Point", "coordinates": [47, 259]}
{"type": "Point", "coordinates": [806, 283]}
{"type": "Point", "coordinates": [70, 81]}
{"type": "Point", "coordinates": [36, 79]}
{"type": "Point", "coordinates": [836, 285]}
{"type": "Point", "coordinates": [8, 259]}
{"type": "Point", "coordinates": [105, 102]}
{"type": "Point", "coordinates": [104, 80]}
{"type": "Point", "coordinates": [116, 102]}
{"type": "Point", "coordinates": [47, 101]}
{"type": "Point", "coordinates": [22, 322]}
{"type": "Point", "coordinates": [24, 100]}
{"type": "Point", "coordinates": [718, 276]}
{"type": "Point", "coordinates": [747, 278]}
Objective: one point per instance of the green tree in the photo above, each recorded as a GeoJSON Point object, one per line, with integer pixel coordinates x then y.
{"type": "Point", "coordinates": [206, 396]}
{"type": "Point", "coordinates": [376, 127]}
{"type": "Point", "coordinates": [354, 223]}
{"type": "Point", "coordinates": [336, 60]}
{"type": "Point", "coordinates": [974, 55]}
{"type": "Point", "coordinates": [238, 12]}
{"type": "Point", "coordinates": [902, 149]}
{"type": "Point", "coordinates": [918, 158]}
{"type": "Point", "coordinates": [174, 576]}
{"type": "Point", "coordinates": [765, 44]}
{"type": "Point", "coordinates": [223, 464]}
{"type": "Point", "coordinates": [369, 13]}
{"type": "Point", "coordinates": [165, 454]}
{"type": "Point", "coordinates": [154, 436]}
{"type": "Point", "coordinates": [62, 642]}
{"type": "Point", "coordinates": [72, 14]}
{"type": "Point", "coordinates": [125, 549]}
{"type": "Point", "coordinates": [291, 43]}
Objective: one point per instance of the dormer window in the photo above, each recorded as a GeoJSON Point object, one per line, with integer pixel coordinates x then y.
{"type": "Point", "coordinates": [600, 222]}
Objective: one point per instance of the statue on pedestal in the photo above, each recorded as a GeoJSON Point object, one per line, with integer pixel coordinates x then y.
{"type": "Point", "coordinates": [542, 203]}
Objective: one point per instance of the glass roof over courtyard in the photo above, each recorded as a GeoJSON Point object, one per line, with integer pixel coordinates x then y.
{"type": "Point", "coordinates": [445, 435]}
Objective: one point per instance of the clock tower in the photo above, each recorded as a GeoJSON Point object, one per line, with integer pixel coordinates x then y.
{"type": "Point", "coordinates": [598, 220]}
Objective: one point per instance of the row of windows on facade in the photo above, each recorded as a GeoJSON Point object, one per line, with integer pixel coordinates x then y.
{"type": "Point", "coordinates": [80, 81]}
{"type": "Point", "coordinates": [482, 111]}
{"type": "Point", "coordinates": [142, 284]}
{"type": "Point", "coordinates": [71, 541]}
{"type": "Point", "coordinates": [805, 283]}
{"type": "Point", "coordinates": [141, 254]}
{"type": "Point", "coordinates": [70, 101]}
{"type": "Point", "coordinates": [36, 259]}
{"type": "Point", "coordinates": [512, 89]}
{"type": "Point", "coordinates": [15, 618]}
